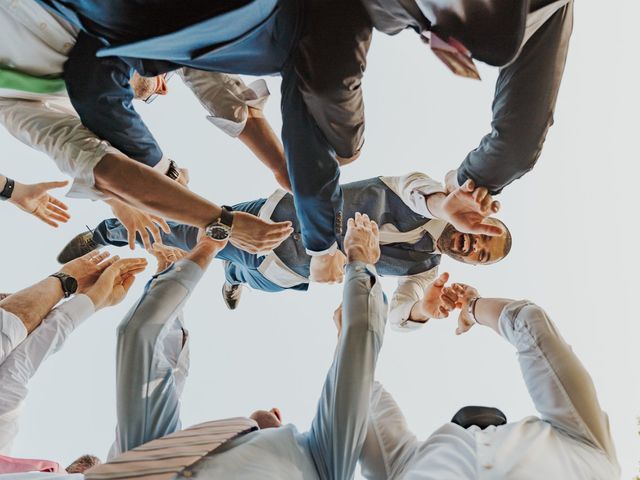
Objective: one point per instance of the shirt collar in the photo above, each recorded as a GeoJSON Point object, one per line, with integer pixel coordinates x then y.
{"type": "Point", "coordinates": [435, 227]}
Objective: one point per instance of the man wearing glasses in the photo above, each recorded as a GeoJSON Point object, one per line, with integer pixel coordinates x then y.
{"type": "Point", "coordinates": [35, 108]}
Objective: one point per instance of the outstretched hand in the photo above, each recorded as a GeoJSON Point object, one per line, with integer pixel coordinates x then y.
{"type": "Point", "coordinates": [166, 256]}
{"type": "Point", "coordinates": [253, 234]}
{"type": "Point", "coordinates": [138, 222]}
{"type": "Point", "coordinates": [468, 208]}
{"type": "Point", "coordinates": [114, 283]}
{"type": "Point", "coordinates": [88, 268]}
{"type": "Point", "coordinates": [362, 240]}
{"type": "Point", "coordinates": [464, 294]}
{"type": "Point", "coordinates": [437, 302]}
{"type": "Point", "coordinates": [35, 199]}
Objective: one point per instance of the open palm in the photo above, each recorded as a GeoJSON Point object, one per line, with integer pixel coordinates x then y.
{"type": "Point", "coordinates": [35, 199]}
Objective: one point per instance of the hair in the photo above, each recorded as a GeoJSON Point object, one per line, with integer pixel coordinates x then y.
{"type": "Point", "coordinates": [142, 87]}
{"type": "Point", "coordinates": [508, 239]}
{"type": "Point", "coordinates": [83, 463]}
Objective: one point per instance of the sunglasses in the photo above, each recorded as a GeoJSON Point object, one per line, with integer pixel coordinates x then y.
{"type": "Point", "coordinates": [153, 96]}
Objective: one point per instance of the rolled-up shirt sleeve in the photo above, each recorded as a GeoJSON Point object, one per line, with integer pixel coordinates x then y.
{"type": "Point", "coordinates": [226, 97]}
{"type": "Point", "coordinates": [410, 290]}
{"type": "Point", "coordinates": [23, 362]}
{"type": "Point", "coordinates": [52, 127]}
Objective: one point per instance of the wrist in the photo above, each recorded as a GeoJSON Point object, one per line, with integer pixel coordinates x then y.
{"type": "Point", "coordinates": [10, 190]}
{"type": "Point", "coordinates": [471, 308]}
{"type": "Point", "coordinates": [418, 313]}
{"type": "Point", "coordinates": [357, 254]}
{"type": "Point", "coordinates": [434, 204]}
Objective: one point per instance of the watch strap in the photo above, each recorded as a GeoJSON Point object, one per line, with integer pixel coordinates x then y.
{"type": "Point", "coordinates": [226, 217]}
{"type": "Point", "coordinates": [7, 191]}
{"type": "Point", "coordinates": [63, 277]}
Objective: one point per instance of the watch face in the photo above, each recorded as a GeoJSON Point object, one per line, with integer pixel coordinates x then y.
{"type": "Point", "coordinates": [218, 232]}
{"type": "Point", "coordinates": [71, 285]}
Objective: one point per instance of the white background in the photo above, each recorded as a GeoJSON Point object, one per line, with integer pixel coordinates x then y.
{"type": "Point", "coordinates": [574, 219]}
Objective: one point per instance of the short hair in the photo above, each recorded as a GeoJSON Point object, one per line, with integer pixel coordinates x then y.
{"type": "Point", "coordinates": [508, 239]}
{"type": "Point", "coordinates": [83, 463]}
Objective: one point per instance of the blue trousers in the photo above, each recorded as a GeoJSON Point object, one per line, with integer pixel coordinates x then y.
{"type": "Point", "coordinates": [240, 266]}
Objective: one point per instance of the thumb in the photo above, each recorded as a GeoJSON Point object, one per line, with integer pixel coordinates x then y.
{"type": "Point", "coordinates": [468, 186]}
{"type": "Point", "coordinates": [486, 229]}
{"type": "Point", "coordinates": [50, 185]}
{"type": "Point", "coordinates": [441, 280]}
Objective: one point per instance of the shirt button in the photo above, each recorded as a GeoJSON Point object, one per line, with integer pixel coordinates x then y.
{"type": "Point", "coordinates": [487, 466]}
{"type": "Point", "coordinates": [43, 26]}
{"type": "Point", "coordinates": [178, 269]}
{"type": "Point", "coordinates": [67, 46]}
{"type": "Point", "coordinates": [296, 236]}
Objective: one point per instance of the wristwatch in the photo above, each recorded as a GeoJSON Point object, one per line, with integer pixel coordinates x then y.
{"type": "Point", "coordinates": [7, 191]}
{"type": "Point", "coordinates": [220, 229]}
{"type": "Point", "coordinates": [471, 308]}
{"type": "Point", "coordinates": [69, 284]}
{"type": "Point", "coordinates": [173, 173]}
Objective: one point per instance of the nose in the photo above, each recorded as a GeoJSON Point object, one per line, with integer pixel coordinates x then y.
{"type": "Point", "coordinates": [474, 245]}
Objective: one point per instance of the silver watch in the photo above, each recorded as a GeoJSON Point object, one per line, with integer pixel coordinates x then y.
{"type": "Point", "coordinates": [220, 229]}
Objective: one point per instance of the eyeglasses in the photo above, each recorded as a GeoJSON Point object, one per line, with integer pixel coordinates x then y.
{"type": "Point", "coordinates": [154, 95]}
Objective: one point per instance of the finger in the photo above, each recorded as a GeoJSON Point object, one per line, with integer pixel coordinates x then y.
{"type": "Point", "coordinates": [358, 219]}
{"type": "Point", "coordinates": [441, 280]}
{"type": "Point", "coordinates": [351, 223]}
{"type": "Point", "coordinates": [64, 217]}
{"type": "Point", "coordinates": [443, 312]}
{"type": "Point", "coordinates": [486, 229]}
{"type": "Point", "coordinates": [468, 186]}
{"type": "Point", "coordinates": [131, 235]}
{"type": "Point", "coordinates": [146, 241]}
{"type": "Point", "coordinates": [480, 194]}
{"type": "Point", "coordinates": [366, 222]}
{"type": "Point", "coordinates": [58, 203]}
{"type": "Point", "coordinates": [98, 257]}
{"type": "Point", "coordinates": [127, 281]}
{"type": "Point", "coordinates": [448, 303]}
{"type": "Point", "coordinates": [50, 185]}
{"type": "Point", "coordinates": [58, 211]}
{"type": "Point", "coordinates": [103, 265]}
{"type": "Point", "coordinates": [374, 228]}
{"type": "Point", "coordinates": [495, 206]}
{"type": "Point", "coordinates": [162, 223]}
{"type": "Point", "coordinates": [46, 220]}
{"type": "Point", "coordinates": [155, 233]}
{"type": "Point", "coordinates": [274, 235]}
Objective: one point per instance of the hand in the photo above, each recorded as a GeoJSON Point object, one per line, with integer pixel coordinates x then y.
{"type": "Point", "coordinates": [35, 199]}
{"type": "Point", "coordinates": [166, 256]}
{"type": "Point", "coordinates": [115, 282]}
{"type": "Point", "coordinates": [362, 240]}
{"type": "Point", "coordinates": [88, 268]}
{"type": "Point", "coordinates": [327, 268]}
{"type": "Point", "coordinates": [451, 181]}
{"type": "Point", "coordinates": [137, 221]}
{"type": "Point", "coordinates": [347, 160]}
{"type": "Point", "coordinates": [437, 302]}
{"type": "Point", "coordinates": [465, 294]}
{"type": "Point", "coordinates": [254, 235]}
{"type": "Point", "coordinates": [467, 208]}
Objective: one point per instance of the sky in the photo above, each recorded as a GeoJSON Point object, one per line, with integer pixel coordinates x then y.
{"type": "Point", "coordinates": [575, 252]}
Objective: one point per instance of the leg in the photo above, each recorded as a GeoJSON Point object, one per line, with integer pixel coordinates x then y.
{"type": "Point", "coordinates": [339, 428]}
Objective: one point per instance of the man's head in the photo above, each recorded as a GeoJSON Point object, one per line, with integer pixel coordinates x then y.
{"type": "Point", "coordinates": [473, 248]}
{"type": "Point", "coordinates": [267, 419]}
{"type": "Point", "coordinates": [83, 463]}
{"type": "Point", "coordinates": [146, 88]}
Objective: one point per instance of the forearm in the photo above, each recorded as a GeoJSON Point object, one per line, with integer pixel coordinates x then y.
{"type": "Point", "coordinates": [147, 189]}
{"type": "Point", "coordinates": [32, 304]}
{"type": "Point", "coordinates": [260, 138]}
{"type": "Point", "coordinates": [434, 204]}
{"type": "Point", "coordinates": [487, 311]}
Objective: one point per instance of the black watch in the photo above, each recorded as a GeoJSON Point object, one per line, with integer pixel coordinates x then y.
{"type": "Point", "coordinates": [7, 191]}
{"type": "Point", "coordinates": [69, 284]}
{"type": "Point", "coordinates": [220, 229]}
{"type": "Point", "coordinates": [173, 172]}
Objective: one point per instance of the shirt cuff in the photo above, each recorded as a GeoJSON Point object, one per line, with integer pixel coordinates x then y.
{"type": "Point", "coordinates": [507, 321]}
{"type": "Point", "coordinates": [163, 165]}
{"type": "Point", "coordinates": [184, 271]}
{"type": "Point", "coordinates": [331, 250]}
{"type": "Point", "coordinates": [12, 328]}
{"type": "Point", "coordinates": [78, 309]}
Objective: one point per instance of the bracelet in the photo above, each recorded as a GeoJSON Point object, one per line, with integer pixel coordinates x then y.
{"type": "Point", "coordinates": [7, 191]}
{"type": "Point", "coordinates": [173, 172]}
{"type": "Point", "coordinates": [471, 309]}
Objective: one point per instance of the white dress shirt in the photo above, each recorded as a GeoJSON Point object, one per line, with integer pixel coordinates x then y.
{"type": "Point", "coordinates": [12, 333]}
{"type": "Point", "coordinates": [570, 440]}
{"type": "Point", "coordinates": [25, 359]}
{"type": "Point", "coordinates": [40, 42]}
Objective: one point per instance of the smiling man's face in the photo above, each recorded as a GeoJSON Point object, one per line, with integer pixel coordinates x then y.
{"type": "Point", "coordinates": [474, 248]}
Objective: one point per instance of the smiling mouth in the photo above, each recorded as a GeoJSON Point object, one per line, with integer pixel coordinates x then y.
{"type": "Point", "coordinates": [463, 244]}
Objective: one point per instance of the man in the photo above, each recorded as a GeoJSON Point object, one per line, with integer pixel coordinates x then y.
{"type": "Point", "coordinates": [32, 330]}
{"type": "Point", "coordinates": [418, 223]}
{"type": "Point", "coordinates": [320, 50]}
{"type": "Point", "coordinates": [570, 440]}
{"type": "Point", "coordinates": [152, 350]}
{"type": "Point", "coordinates": [35, 108]}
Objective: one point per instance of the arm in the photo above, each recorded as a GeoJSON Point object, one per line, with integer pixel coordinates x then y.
{"type": "Point", "coordinates": [100, 92]}
{"type": "Point", "coordinates": [236, 109]}
{"type": "Point", "coordinates": [525, 98]}
{"type": "Point", "coordinates": [408, 294]}
{"type": "Point", "coordinates": [24, 361]}
{"type": "Point", "coordinates": [559, 385]}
